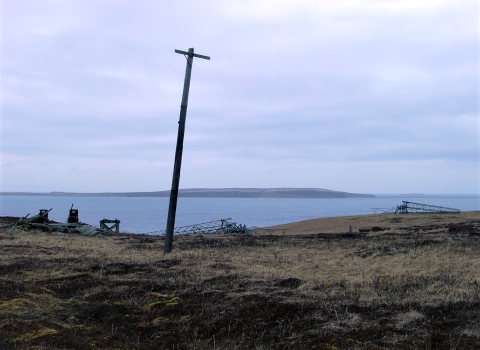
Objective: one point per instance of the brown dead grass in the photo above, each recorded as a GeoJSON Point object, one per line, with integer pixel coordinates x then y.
{"type": "Point", "coordinates": [415, 285]}
{"type": "Point", "coordinates": [343, 223]}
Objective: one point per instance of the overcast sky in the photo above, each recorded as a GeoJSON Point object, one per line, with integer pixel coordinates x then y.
{"type": "Point", "coordinates": [368, 96]}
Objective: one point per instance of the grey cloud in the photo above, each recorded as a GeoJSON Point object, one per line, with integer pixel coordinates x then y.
{"type": "Point", "coordinates": [85, 81]}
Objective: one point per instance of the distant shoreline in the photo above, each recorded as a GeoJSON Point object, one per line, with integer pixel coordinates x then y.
{"type": "Point", "coordinates": [212, 193]}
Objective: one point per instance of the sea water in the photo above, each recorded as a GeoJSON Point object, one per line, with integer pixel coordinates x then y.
{"type": "Point", "coordinates": [149, 214]}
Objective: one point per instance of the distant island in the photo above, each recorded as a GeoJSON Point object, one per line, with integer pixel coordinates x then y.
{"type": "Point", "coordinates": [214, 193]}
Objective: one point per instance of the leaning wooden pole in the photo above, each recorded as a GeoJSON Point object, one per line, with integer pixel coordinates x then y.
{"type": "Point", "coordinates": [172, 208]}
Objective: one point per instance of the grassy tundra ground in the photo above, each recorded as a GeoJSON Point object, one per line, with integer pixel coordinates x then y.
{"type": "Point", "coordinates": [415, 285]}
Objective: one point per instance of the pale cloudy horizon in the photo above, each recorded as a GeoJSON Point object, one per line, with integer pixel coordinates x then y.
{"type": "Point", "coordinates": [368, 96]}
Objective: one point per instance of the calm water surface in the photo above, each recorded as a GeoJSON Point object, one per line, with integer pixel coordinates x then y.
{"type": "Point", "coordinates": [141, 215]}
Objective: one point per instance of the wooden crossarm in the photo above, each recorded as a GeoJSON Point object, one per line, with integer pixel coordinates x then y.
{"type": "Point", "coordinates": [192, 54]}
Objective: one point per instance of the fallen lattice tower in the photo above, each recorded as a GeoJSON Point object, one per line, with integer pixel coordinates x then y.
{"type": "Point", "coordinates": [411, 207]}
{"type": "Point", "coordinates": [211, 227]}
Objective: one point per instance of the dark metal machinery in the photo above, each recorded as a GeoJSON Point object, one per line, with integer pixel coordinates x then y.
{"type": "Point", "coordinates": [72, 215]}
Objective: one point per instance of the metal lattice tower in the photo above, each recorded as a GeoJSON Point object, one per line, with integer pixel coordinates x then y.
{"type": "Point", "coordinates": [411, 207]}
{"type": "Point", "coordinates": [217, 226]}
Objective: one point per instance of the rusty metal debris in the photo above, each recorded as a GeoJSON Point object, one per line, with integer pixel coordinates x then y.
{"type": "Point", "coordinates": [109, 227]}
{"type": "Point", "coordinates": [79, 228]}
{"type": "Point", "coordinates": [73, 225]}
{"type": "Point", "coordinates": [40, 218]}
{"type": "Point", "coordinates": [411, 207]}
{"type": "Point", "coordinates": [217, 226]}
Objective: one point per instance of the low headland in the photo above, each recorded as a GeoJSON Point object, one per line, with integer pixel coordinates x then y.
{"type": "Point", "coordinates": [212, 193]}
{"type": "Point", "coordinates": [380, 281]}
